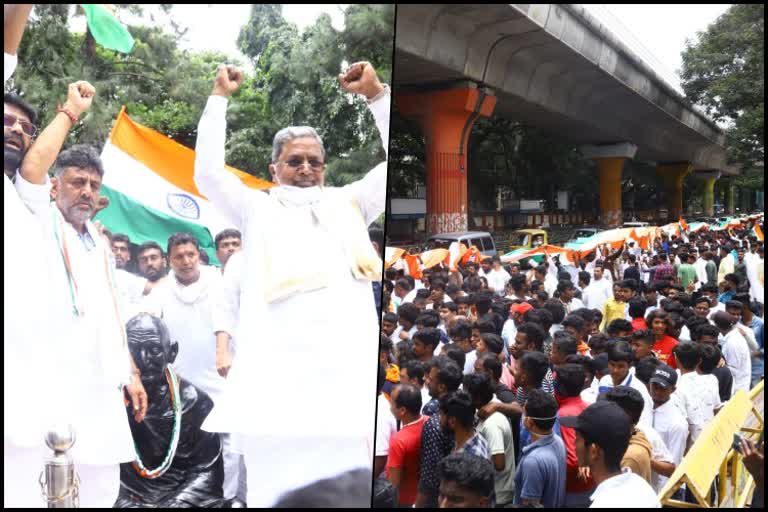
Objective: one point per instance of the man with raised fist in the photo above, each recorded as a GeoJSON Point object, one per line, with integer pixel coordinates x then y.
{"type": "Point", "coordinates": [305, 251]}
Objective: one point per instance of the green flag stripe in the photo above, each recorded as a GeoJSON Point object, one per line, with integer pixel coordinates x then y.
{"type": "Point", "coordinates": [144, 224]}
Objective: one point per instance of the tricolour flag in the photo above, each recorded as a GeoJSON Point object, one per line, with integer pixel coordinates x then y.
{"type": "Point", "coordinates": [148, 179]}
{"type": "Point", "coordinates": [106, 29]}
{"type": "Point", "coordinates": [758, 232]}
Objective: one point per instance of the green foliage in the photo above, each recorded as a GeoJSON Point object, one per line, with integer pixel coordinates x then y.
{"type": "Point", "coordinates": [725, 73]}
{"type": "Point", "coordinates": [166, 88]}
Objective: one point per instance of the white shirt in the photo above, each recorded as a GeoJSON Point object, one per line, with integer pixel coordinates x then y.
{"type": "Point", "coordinates": [631, 380]}
{"type": "Point", "coordinates": [596, 293]}
{"type": "Point", "coordinates": [508, 332]}
{"type": "Point", "coordinates": [188, 313]}
{"type": "Point", "coordinates": [385, 426]}
{"type": "Point", "coordinates": [131, 289]}
{"type": "Point", "coordinates": [737, 357]}
{"type": "Point", "coordinates": [624, 490]}
{"type": "Point", "coordinates": [689, 397]}
{"type": "Point", "coordinates": [469, 362]}
{"type": "Point", "coordinates": [659, 452]}
{"type": "Point", "coordinates": [672, 426]}
{"type": "Point", "coordinates": [300, 322]}
{"type": "Point", "coordinates": [497, 280]}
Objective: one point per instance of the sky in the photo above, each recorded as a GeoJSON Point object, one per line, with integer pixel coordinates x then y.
{"type": "Point", "coordinates": [659, 29]}
{"type": "Point", "coordinates": [657, 33]}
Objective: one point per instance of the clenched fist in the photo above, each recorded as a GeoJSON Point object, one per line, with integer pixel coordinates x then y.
{"type": "Point", "coordinates": [228, 80]}
{"type": "Point", "coordinates": [79, 97]}
{"type": "Point", "coordinates": [361, 78]}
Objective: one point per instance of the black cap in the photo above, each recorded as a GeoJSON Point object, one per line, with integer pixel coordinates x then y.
{"type": "Point", "coordinates": [603, 423]}
{"type": "Point", "coordinates": [664, 376]}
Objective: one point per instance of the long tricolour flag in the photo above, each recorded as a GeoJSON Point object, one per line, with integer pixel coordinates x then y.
{"type": "Point", "coordinates": [148, 179]}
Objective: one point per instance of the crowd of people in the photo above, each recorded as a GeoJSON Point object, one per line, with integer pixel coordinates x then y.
{"type": "Point", "coordinates": [564, 384]}
{"type": "Point", "coordinates": [95, 323]}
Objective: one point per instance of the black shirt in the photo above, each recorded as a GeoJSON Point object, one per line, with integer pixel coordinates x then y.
{"type": "Point", "coordinates": [724, 381]}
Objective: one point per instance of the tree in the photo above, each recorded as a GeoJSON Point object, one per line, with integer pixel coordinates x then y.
{"type": "Point", "coordinates": [724, 72]}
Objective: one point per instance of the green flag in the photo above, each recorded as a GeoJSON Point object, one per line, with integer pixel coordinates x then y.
{"type": "Point", "coordinates": [107, 29]}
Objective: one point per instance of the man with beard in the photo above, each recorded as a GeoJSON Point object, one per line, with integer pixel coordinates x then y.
{"type": "Point", "coordinates": [151, 263]}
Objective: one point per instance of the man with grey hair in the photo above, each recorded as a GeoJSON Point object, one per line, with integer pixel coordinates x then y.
{"type": "Point", "coordinates": [91, 362]}
{"type": "Point", "coordinates": [305, 250]}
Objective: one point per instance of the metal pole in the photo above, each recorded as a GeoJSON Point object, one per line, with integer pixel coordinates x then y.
{"type": "Point", "coordinates": [58, 480]}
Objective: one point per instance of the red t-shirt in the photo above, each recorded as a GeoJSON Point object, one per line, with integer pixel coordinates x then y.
{"type": "Point", "coordinates": [572, 406]}
{"type": "Point", "coordinates": [663, 351]}
{"type": "Point", "coordinates": [404, 453]}
{"type": "Point", "coordinates": [638, 323]}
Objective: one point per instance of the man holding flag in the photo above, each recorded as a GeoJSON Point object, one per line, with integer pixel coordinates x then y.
{"type": "Point", "coordinates": [305, 250]}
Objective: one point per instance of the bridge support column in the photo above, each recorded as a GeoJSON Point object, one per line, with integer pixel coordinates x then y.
{"type": "Point", "coordinates": [710, 178]}
{"type": "Point", "coordinates": [610, 164]}
{"type": "Point", "coordinates": [446, 118]}
{"type": "Point", "coordinates": [673, 175]}
{"type": "Point", "coordinates": [730, 197]}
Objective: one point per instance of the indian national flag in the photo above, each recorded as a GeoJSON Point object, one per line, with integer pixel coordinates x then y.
{"type": "Point", "coordinates": [148, 179]}
{"type": "Point", "coordinates": [106, 29]}
{"type": "Point", "coordinates": [758, 232]}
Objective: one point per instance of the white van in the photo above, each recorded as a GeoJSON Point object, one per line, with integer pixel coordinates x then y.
{"type": "Point", "coordinates": [480, 239]}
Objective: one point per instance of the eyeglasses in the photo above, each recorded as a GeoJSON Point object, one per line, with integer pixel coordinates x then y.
{"type": "Point", "coordinates": [10, 120]}
{"type": "Point", "coordinates": [295, 163]}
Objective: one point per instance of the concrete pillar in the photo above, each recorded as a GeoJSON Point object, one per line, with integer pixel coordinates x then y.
{"type": "Point", "coordinates": [673, 175]}
{"type": "Point", "coordinates": [610, 160]}
{"type": "Point", "coordinates": [710, 178]}
{"type": "Point", "coordinates": [730, 197]}
{"type": "Point", "coordinates": [446, 118]}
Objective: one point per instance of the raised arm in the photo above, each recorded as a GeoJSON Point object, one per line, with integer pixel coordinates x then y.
{"type": "Point", "coordinates": [370, 192]}
{"type": "Point", "coordinates": [42, 155]}
{"type": "Point", "coordinates": [14, 21]}
{"type": "Point", "coordinates": [224, 189]}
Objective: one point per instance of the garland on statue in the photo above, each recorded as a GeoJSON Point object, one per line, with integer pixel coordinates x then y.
{"type": "Point", "coordinates": [138, 465]}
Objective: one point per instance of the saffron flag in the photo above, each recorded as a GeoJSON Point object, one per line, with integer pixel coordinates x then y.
{"type": "Point", "coordinates": [148, 179]}
{"type": "Point", "coordinates": [106, 29]}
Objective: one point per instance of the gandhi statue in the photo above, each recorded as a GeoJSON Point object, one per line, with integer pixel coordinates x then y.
{"type": "Point", "coordinates": [177, 464]}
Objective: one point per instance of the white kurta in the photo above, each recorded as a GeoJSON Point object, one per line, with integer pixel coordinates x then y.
{"type": "Point", "coordinates": [89, 353]}
{"type": "Point", "coordinates": [334, 350]}
{"type": "Point", "coordinates": [187, 311]}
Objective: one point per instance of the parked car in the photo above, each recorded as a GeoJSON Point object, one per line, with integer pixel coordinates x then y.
{"type": "Point", "coordinates": [524, 240]}
{"type": "Point", "coordinates": [480, 239]}
{"type": "Point", "coordinates": [584, 232]}
{"type": "Point", "coordinates": [635, 224]}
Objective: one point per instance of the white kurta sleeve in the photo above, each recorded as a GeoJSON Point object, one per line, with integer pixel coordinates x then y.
{"type": "Point", "coordinates": [371, 191]}
{"type": "Point", "coordinates": [225, 190]}
{"type": "Point", "coordinates": [9, 65]}
{"type": "Point", "coordinates": [226, 303]}
{"type": "Point", "coordinates": [36, 197]}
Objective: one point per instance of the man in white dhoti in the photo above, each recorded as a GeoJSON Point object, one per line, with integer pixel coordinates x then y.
{"type": "Point", "coordinates": [89, 361]}
{"type": "Point", "coordinates": [305, 250]}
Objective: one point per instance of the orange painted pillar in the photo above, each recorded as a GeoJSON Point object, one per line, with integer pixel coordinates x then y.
{"type": "Point", "coordinates": [446, 118]}
{"type": "Point", "coordinates": [609, 172]}
{"type": "Point", "coordinates": [673, 175]}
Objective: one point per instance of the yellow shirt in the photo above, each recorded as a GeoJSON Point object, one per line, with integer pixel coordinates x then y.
{"type": "Point", "coordinates": [613, 310]}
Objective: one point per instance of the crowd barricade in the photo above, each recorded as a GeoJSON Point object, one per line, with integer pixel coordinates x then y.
{"type": "Point", "coordinates": [712, 456]}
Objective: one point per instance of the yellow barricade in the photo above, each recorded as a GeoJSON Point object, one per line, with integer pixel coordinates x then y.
{"type": "Point", "coordinates": [712, 455]}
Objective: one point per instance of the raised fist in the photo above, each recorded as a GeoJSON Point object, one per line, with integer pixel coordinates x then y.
{"type": "Point", "coordinates": [361, 78]}
{"type": "Point", "coordinates": [79, 97]}
{"type": "Point", "coordinates": [228, 80]}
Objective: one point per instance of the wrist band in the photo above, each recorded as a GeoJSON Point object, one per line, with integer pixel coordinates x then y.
{"type": "Point", "coordinates": [72, 117]}
{"type": "Point", "coordinates": [383, 92]}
